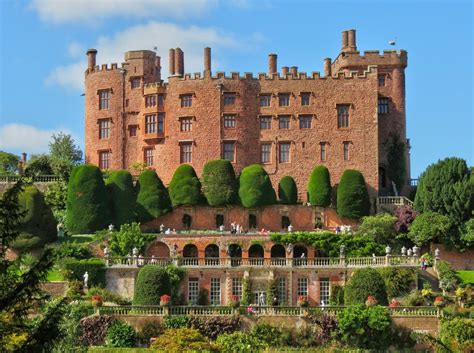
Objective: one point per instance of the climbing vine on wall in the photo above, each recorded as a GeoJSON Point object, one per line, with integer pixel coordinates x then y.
{"type": "Point", "coordinates": [396, 160]}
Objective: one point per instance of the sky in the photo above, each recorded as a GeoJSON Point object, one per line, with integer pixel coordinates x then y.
{"type": "Point", "coordinates": [43, 45]}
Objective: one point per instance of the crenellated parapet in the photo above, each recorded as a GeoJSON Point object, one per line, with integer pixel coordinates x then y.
{"type": "Point", "coordinates": [388, 58]}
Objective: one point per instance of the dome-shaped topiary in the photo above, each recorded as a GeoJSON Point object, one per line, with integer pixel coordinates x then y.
{"type": "Point", "coordinates": [121, 197]}
{"type": "Point", "coordinates": [255, 187]}
{"type": "Point", "coordinates": [185, 187]}
{"type": "Point", "coordinates": [365, 282]}
{"type": "Point", "coordinates": [153, 199]}
{"type": "Point", "coordinates": [287, 191]}
{"type": "Point", "coordinates": [87, 207]}
{"type": "Point", "coordinates": [38, 225]}
{"type": "Point", "coordinates": [319, 187]}
{"type": "Point", "coordinates": [152, 282]}
{"type": "Point", "coordinates": [218, 183]}
{"type": "Point", "coordinates": [352, 195]}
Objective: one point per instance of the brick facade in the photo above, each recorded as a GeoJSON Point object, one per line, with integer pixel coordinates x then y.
{"type": "Point", "coordinates": [352, 79]}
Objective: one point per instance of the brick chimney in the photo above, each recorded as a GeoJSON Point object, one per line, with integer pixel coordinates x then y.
{"type": "Point", "coordinates": [158, 67]}
{"type": "Point", "coordinates": [178, 62]}
{"type": "Point", "coordinates": [91, 57]}
{"type": "Point", "coordinates": [351, 37]}
{"type": "Point", "coordinates": [284, 70]}
{"type": "Point", "coordinates": [294, 71]}
{"type": "Point", "coordinates": [171, 62]}
{"type": "Point", "coordinates": [327, 67]}
{"type": "Point", "coordinates": [272, 64]}
{"type": "Point", "coordinates": [207, 60]}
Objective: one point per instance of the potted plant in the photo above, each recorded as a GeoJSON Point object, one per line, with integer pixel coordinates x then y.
{"type": "Point", "coordinates": [234, 302]}
{"type": "Point", "coordinates": [165, 300]}
{"type": "Point", "coordinates": [303, 301]}
{"type": "Point", "coordinates": [439, 301]}
{"type": "Point", "coordinates": [371, 301]}
{"type": "Point", "coordinates": [394, 303]}
{"type": "Point", "coordinates": [97, 301]}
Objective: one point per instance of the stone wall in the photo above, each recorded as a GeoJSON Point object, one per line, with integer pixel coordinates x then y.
{"type": "Point", "coordinates": [458, 260]}
{"type": "Point", "coordinates": [121, 280]}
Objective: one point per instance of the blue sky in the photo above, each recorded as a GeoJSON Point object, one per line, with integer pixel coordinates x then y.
{"type": "Point", "coordinates": [43, 44]}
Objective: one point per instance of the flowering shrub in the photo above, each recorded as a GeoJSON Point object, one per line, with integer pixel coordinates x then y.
{"type": "Point", "coordinates": [250, 310]}
{"type": "Point", "coordinates": [303, 301]}
{"type": "Point", "coordinates": [165, 300]}
{"type": "Point", "coordinates": [234, 301]}
{"type": "Point", "coordinates": [97, 300]}
{"type": "Point", "coordinates": [439, 301]}
{"type": "Point", "coordinates": [371, 301]}
{"type": "Point", "coordinates": [426, 292]}
{"type": "Point", "coordinates": [394, 303]}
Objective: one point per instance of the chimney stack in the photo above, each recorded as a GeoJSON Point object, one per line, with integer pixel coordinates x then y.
{"type": "Point", "coordinates": [272, 64]}
{"type": "Point", "coordinates": [345, 41]}
{"type": "Point", "coordinates": [91, 56]}
{"type": "Point", "coordinates": [23, 157]}
{"type": "Point", "coordinates": [158, 67]}
{"type": "Point", "coordinates": [179, 62]}
{"type": "Point", "coordinates": [351, 37]}
{"type": "Point", "coordinates": [284, 70]}
{"type": "Point", "coordinates": [172, 63]}
{"type": "Point", "coordinates": [294, 71]}
{"type": "Point", "coordinates": [327, 67]}
{"type": "Point", "coordinates": [207, 60]}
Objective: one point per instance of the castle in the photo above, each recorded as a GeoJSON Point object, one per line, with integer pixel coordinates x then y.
{"type": "Point", "coordinates": [286, 120]}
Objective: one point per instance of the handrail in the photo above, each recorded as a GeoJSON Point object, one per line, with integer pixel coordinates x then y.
{"type": "Point", "coordinates": [394, 200]}
{"type": "Point", "coordinates": [36, 178]}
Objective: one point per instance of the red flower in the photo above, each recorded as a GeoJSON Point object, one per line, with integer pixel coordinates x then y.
{"type": "Point", "coordinates": [96, 298]}
{"type": "Point", "coordinates": [439, 299]}
{"type": "Point", "coordinates": [165, 298]}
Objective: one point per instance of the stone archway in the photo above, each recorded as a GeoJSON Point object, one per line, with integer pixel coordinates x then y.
{"type": "Point", "coordinates": [300, 255]}
{"type": "Point", "coordinates": [158, 249]}
{"type": "Point", "coordinates": [211, 254]}
{"type": "Point", "coordinates": [256, 255]}
{"type": "Point", "coordinates": [278, 255]}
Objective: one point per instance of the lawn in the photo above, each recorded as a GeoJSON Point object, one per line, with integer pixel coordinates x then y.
{"type": "Point", "coordinates": [54, 276]}
{"type": "Point", "coordinates": [467, 276]}
{"type": "Point", "coordinates": [80, 238]}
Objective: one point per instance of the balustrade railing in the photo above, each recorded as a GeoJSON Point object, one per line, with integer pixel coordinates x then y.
{"type": "Point", "coordinates": [37, 178]}
{"type": "Point", "coordinates": [394, 201]}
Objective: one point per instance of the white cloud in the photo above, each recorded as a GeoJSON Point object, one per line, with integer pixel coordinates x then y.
{"type": "Point", "coordinates": [75, 50]}
{"type": "Point", "coordinates": [89, 11]}
{"type": "Point", "coordinates": [19, 138]}
{"type": "Point", "coordinates": [190, 39]}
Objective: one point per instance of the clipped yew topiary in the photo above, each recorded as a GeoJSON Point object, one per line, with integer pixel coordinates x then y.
{"type": "Point", "coordinates": [152, 282]}
{"type": "Point", "coordinates": [255, 187]}
{"type": "Point", "coordinates": [121, 197]}
{"type": "Point", "coordinates": [185, 187]}
{"type": "Point", "coordinates": [153, 199]}
{"type": "Point", "coordinates": [86, 204]}
{"type": "Point", "coordinates": [352, 195]}
{"type": "Point", "coordinates": [218, 183]}
{"type": "Point", "coordinates": [363, 283]}
{"type": "Point", "coordinates": [287, 191]}
{"type": "Point", "coordinates": [319, 187]}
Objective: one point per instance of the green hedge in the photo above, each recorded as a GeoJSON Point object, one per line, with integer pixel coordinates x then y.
{"type": "Point", "coordinates": [153, 199]}
{"type": "Point", "coordinates": [287, 191]}
{"type": "Point", "coordinates": [87, 206]}
{"type": "Point", "coordinates": [74, 271]}
{"type": "Point", "coordinates": [352, 195]}
{"type": "Point", "coordinates": [218, 183]}
{"type": "Point", "coordinates": [319, 187]}
{"type": "Point", "coordinates": [152, 282]}
{"type": "Point", "coordinates": [365, 282]}
{"type": "Point", "coordinates": [122, 197]}
{"type": "Point", "coordinates": [255, 187]}
{"type": "Point", "coordinates": [185, 187]}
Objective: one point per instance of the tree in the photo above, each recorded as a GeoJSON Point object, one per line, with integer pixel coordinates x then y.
{"type": "Point", "coordinates": [352, 196]}
{"type": "Point", "coordinates": [56, 196]}
{"type": "Point", "coordinates": [319, 187]}
{"type": "Point", "coordinates": [218, 183]}
{"type": "Point", "coordinates": [153, 199]}
{"type": "Point", "coordinates": [363, 283]}
{"type": "Point", "coordinates": [405, 216]}
{"type": "Point", "coordinates": [64, 154]}
{"type": "Point", "coordinates": [255, 187]}
{"type": "Point", "coordinates": [130, 236]}
{"type": "Point", "coordinates": [457, 333]}
{"type": "Point", "coordinates": [121, 197]}
{"type": "Point", "coordinates": [152, 282]}
{"type": "Point", "coordinates": [397, 280]}
{"type": "Point", "coordinates": [185, 187]}
{"type": "Point", "coordinates": [287, 191]}
{"type": "Point", "coordinates": [8, 163]}
{"type": "Point", "coordinates": [87, 206]}
{"type": "Point", "coordinates": [467, 235]}
{"type": "Point", "coordinates": [39, 164]}
{"type": "Point", "coordinates": [430, 226]}
{"type": "Point", "coordinates": [396, 160]}
{"type": "Point", "coordinates": [379, 227]}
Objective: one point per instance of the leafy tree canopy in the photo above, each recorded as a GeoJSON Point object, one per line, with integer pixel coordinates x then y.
{"type": "Point", "coordinates": [430, 226]}
{"type": "Point", "coordinates": [379, 227]}
{"type": "Point", "coordinates": [185, 187]}
{"type": "Point", "coordinates": [396, 159]}
{"type": "Point", "coordinates": [121, 197]}
{"type": "Point", "coordinates": [8, 163]}
{"type": "Point", "coordinates": [287, 191]}
{"type": "Point", "coordinates": [153, 199]}
{"type": "Point", "coordinates": [64, 154]}
{"type": "Point", "coordinates": [39, 164]}
{"type": "Point", "coordinates": [363, 283]}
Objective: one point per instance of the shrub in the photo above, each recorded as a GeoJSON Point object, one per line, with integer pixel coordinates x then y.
{"type": "Point", "coordinates": [152, 282]}
{"type": "Point", "coordinates": [367, 328]}
{"type": "Point", "coordinates": [397, 280]}
{"type": "Point", "coordinates": [429, 226]}
{"type": "Point", "coordinates": [271, 336]}
{"type": "Point", "coordinates": [87, 207]}
{"type": "Point", "coordinates": [405, 216]}
{"type": "Point", "coordinates": [176, 275]}
{"type": "Point", "coordinates": [380, 227]}
{"type": "Point", "coordinates": [287, 191]}
{"type": "Point", "coordinates": [458, 334]}
{"type": "Point", "coordinates": [246, 298]}
{"type": "Point", "coordinates": [39, 164]}
{"type": "Point", "coordinates": [239, 342]}
{"type": "Point", "coordinates": [365, 282]}
{"type": "Point", "coordinates": [255, 187]}
{"type": "Point", "coordinates": [212, 327]}
{"type": "Point", "coordinates": [174, 322]}
{"type": "Point", "coordinates": [153, 199]}
{"type": "Point", "coordinates": [319, 187]}
{"type": "Point", "coordinates": [326, 325]}
{"type": "Point", "coordinates": [185, 187]}
{"type": "Point", "coordinates": [73, 270]}
{"type": "Point", "coordinates": [121, 197]}
{"type": "Point", "coordinates": [352, 196]}
{"type": "Point", "coordinates": [448, 278]}
{"type": "Point", "coordinates": [71, 250]}
{"type": "Point", "coordinates": [337, 295]}
{"type": "Point", "coordinates": [38, 225]}
{"type": "Point", "coordinates": [107, 296]}
{"type": "Point", "coordinates": [219, 184]}
{"type": "Point", "coordinates": [305, 337]}
{"type": "Point", "coordinates": [183, 339]}
{"type": "Point", "coordinates": [414, 299]}
{"type": "Point", "coordinates": [94, 329]}
{"type": "Point", "coordinates": [130, 236]}
{"type": "Point", "coordinates": [120, 334]}
{"type": "Point", "coordinates": [150, 329]}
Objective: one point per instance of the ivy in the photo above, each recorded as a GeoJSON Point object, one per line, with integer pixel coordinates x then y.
{"type": "Point", "coordinates": [396, 160]}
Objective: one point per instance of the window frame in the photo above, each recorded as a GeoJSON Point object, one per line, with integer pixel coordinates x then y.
{"type": "Point", "coordinates": [345, 150]}
{"type": "Point", "coordinates": [284, 98]}
{"type": "Point", "coordinates": [193, 290]}
{"type": "Point", "coordinates": [224, 152]}
{"type": "Point", "coordinates": [104, 163]}
{"type": "Point", "coordinates": [186, 100]}
{"type": "Point", "coordinates": [151, 127]}
{"type": "Point", "coordinates": [269, 153]}
{"type": "Point", "coordinates": [236, 288]}
{"type": "Point", "coordinates": [186, 124]}
{"type": "Point", "coordinates": [343, 115]}
{"type": "Point", "coordinates": [305, 120]}
{"type": "Point", "coordinates": [265, 98]}
{"type": "Point", "coordinates": [133, 128]}
{"type": "Point", "coordinates": [148, 156]}
{"type": "Point", "coordinates": [324, 290]}
{"type": "Point", "coordinates": [160, 122]}
{"type": "Point", "coordinates": [383, 104]}
{"type": "Point", "coordinates": [264, 121]}
{"type": "Point", "coordinates": [305, 99]}
{"type": "Point", "coordinates": [280, 152]}
{"type": "Point", "coordinates": [229, 98]}
{"type": "Point", "coordinates": [133, 81]}
{"type": "Point", "coordinates": [381, 80]}
{"type": "Point", "coordinates": [104, 131]}
{"type": "Point", "coordinates": [302, 286]}
{"type": "Point", "coordinates": [104, 102]}
{"type": "Point", "coordinates": [323, 151]}
{"type": "Point", "coordinates": [185, 155]}
{"type": "Point", "coordinates": [151, 100]}
{"type": "Point", "coordinates": [215, 291]}
{"type": "Point", "coordinates": [285, 121]}
{"type": "Point", "coordinates": [229, 121]}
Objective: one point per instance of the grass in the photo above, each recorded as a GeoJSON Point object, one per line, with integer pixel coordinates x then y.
{"type": "Point", "coordinates": [467, 276]}
{"type": "Point", "coordinates": [120, 350]}
{"type": "Point", "coordinates": [54, 276]}
{"type": "Point", "coordinates": [80, 238]}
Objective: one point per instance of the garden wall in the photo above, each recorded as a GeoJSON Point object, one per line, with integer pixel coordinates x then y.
{"type": "Point", "coordinates": [458, 260]}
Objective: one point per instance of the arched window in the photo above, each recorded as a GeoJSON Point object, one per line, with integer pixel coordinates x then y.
{"type": "Point", "coordinates": [256, 254]}
{"type": "Point", "coordinates": [158, 250]}
{"type": "Point", "coordinates": [190, 255]}
{"type": "Point", "coordinates": [211, 254]}
{"type": "Point", "coordinates": [235, 254]}
{"type": "Point", "coordinates": [300, 255]}
{"type": "Point", "coordinates": [278, 255]}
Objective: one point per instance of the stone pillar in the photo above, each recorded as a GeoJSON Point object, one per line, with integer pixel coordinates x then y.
{"type": "Point", "coordinates": [272, 64]}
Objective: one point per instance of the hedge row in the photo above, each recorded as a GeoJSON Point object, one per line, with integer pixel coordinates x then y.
{"type": "Point", "coordinates": [74, 270]}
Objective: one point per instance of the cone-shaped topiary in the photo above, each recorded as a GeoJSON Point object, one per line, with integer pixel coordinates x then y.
{"type": "Point", "coordinates": [152, 282]}
{"type": "Point", "coordinates": [185, 187]}
{"type": "Point", "coordinates": [319, 187]}
{"type": "Point", "coordinates": [38, 225]}
{"type": "Point", "coordinates": [121, 197]}
{"type": "Point", "coordinates": [218, 183]}
{"type": "Point", "coordinates": [363, 283]}
{"type": "Point", "coordinates": [287, 191]}
{"type": "Point", "coordinates": [86, 204]}
{"type": "Point", "coordinates": [152, 197]}
{"type": "Point", "coordinates": [352, 196]}
{"type": "Point", "coordinates": [255, 187]}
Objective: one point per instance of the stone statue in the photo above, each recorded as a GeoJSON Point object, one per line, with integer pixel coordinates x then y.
{"type": "Point", "coordinates": [111, 227]}
{"type": "Point", "coordinates": [134, 252]}
{"type": "Point", "coordinates": [106, 251]}
{"type": "Point", "coordinates": [289, 248]}
{"type": "Point", "coordinates": [342, 250]}
{"type": "Point", "coordinates": [86, 279]}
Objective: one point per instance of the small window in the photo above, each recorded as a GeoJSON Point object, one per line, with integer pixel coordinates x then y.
{"type": "Point", "coordinates": [136, 82]}
{"type": "Point", "coordinates": [193, 290]}
{"type": "Point", "coordinates": [324, 290]}
{"type": "Point", "coordinates": [229, 151]}
{"type": "Point", "coordinates": [283, 99]}
{"type": "Point", "coordinates": [104, 160]}
{"type": "Point", "coordinates": [104, 99]}
{"type": "Point", "coordinates": [150, 101]}
{"type": "Point", "coordinates": [265, 100]}
{"type": "Point", "coordinates": [186, 124]}
{"type": "Point", "coordinates": [229, 98]}
{"type": "Point", "coordinates": [281, 290]}
{"type": "Point", "coordinates": [186, 153]}
{"type": "Point", "coordinates": [161, 122]}
{"type": "Point", "coordinates": [215, 291]}
{"type": "Point", "coordinates": [305, 121]}
{"type": "Point", "coordinates": [265, 122]}
{"type": "Point", "coordinates": [161, 100]}
{"type": "Point", "coordinates": [132, 130]}
{"type": "Point", "coordinates": [252, 221]}
{"type": "Point", "coordinates": [383, 105]}
{"type": "Point", "coordinates": [229, 121]}
{"type": "Point", "coordinates": [284, 152]}
{"type": "Point", "coordinates": [284, 122]}
{"type": "Point", "coordinates": [342, 115]}
{"type": "Point", "coordinates": [265, 153]}
{"type": "Point", "coordinates": [186, 100]}
{"type": "Point", "coordinates": [104, 129]}
{"type": "Point", "coordinates": [381, 80]}
{"type": "Point", "coordinates": [219, 220]}
{"type": "Point", "coordinates": [305, 97]}
{"type": "Point", "coordinates": [346, 151]}
{"type": "Point", "coordinates": [148, 157]}
{"type": "Point", "coordinates": [237, 287]}
{"type": "Point", "coordinates": [150, 124]}
{"type": "Point", "coordinates": [323, 151]}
